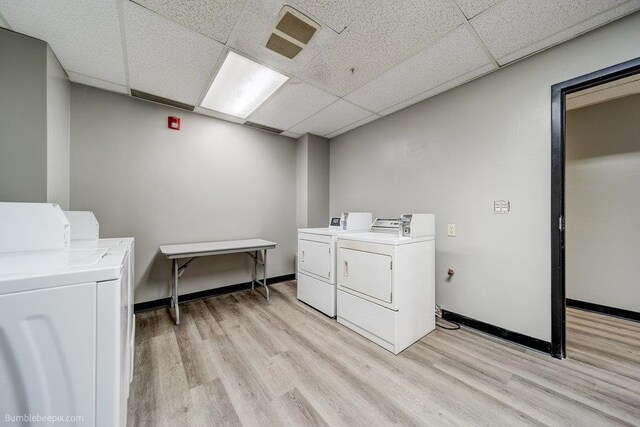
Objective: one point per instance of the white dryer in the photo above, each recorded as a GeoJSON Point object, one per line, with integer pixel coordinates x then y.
{"type": "Point", "coordinates": [386, 281]}
{"type": "Point", "coordinates": [66, 319]}
{"type": "Point", "coordinates": [317, 259]}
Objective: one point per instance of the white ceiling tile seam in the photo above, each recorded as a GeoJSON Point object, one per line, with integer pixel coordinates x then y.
{"type": "Point", "coordinates": [474, 33]}
{"type": "Point", "coordinates": [317, 112]}
{"type": "Point", "coordinates": [123, 36]}
{"type": "Point", "coordinates": [4, 22]}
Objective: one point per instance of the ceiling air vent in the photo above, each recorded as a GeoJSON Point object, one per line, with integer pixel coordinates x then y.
{"type": "Point", "coordinates": [292, 33]}
{"type": "Point", "coordinates": [263, 127]}
{"type": "Point", "coordinates": [161, 100]}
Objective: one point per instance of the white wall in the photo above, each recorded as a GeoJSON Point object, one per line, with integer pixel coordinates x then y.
{"type": "Point", "coordinates": [457, 152]}
{"type": "Point", "coordinates": [58, 132]}
{"type": "Point", "coordinates": [213, 180]}
{"type": "Point", "coordinates": [312, 186]}
{"type": "Point", "coordinates": [603, 203]}
{"type": "Point", "coordinates": [34, 122]}
{"type": "Point", "coordinates": [302, 180]}
{"type": "Point", "coordinates": [23, 110]}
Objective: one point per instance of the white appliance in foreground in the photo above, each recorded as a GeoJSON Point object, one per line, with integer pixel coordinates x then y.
{"type": "Point", "coordinates": [386, 281]}
{"type": "Point", "coordinates": [317, 259]}
{"type": "Point", "coordinates": [66, 319]}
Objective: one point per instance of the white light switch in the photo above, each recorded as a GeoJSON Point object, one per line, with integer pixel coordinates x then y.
{"type": "Point", "coordinates": [451, 230]}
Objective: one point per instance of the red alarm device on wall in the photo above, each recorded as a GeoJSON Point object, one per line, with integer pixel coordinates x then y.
{"type": "Point", "coordinates": [174, 122]}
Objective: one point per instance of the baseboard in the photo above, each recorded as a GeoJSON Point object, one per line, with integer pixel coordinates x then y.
{"type": "Point", "coordinates": [163, 302]}
{"type": "Point", "coordinates": [603, 309]}
{"type": "Point", "coordinates": [516, 337]}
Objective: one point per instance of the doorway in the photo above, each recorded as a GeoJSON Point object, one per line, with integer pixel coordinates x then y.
{"type": "Point", "coordinates": [559, 93]}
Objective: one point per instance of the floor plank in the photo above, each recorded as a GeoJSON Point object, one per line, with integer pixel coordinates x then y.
{"type": "Point", "coordinates": [237, 359]}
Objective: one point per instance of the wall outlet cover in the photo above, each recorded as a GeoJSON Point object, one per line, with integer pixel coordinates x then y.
{"type": "Point", "coordinates": [451, 230]}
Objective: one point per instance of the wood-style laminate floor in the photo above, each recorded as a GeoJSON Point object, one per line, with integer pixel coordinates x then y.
{"type": "Point", "coordinates": [238, 360]}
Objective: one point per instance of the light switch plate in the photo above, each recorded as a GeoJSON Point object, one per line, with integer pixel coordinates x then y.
{"type": "Point", "coordinates": [451, 230]}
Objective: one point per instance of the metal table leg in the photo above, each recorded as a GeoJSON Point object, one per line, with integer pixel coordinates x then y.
{"type": "Point", "coordinates": [175, 290]}
{"type": "Point", "coordinates": [264, 265]}
{"type": "Point", "coordinates": [255, 269]}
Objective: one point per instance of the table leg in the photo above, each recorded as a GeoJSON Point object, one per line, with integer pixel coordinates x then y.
{"type": "Point", "coordinates": [264, 264]}
{"type": "Point", "coordinates": [255, 270]}
{"type": "Point", "coordinates": [175, 290]}
{"type": "Point", "coordinates": [171, 287]}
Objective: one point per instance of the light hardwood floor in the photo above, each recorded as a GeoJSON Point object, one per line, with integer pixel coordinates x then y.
{"type": "Point", "coordinates": [238, 360]}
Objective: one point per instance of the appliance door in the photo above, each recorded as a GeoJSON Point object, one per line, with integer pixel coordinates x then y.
{"type": "Point", "coordinates": [366, 273]}
{"type": "Point", "coordinates": [317, 293]}
{"type": "Point", "coordinates": [315, 256]}
{"type": "Point", "coordinates": [48, 352]}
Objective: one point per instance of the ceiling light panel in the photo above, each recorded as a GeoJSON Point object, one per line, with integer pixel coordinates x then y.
{"type": "Point", "coordinates": [379, 40]}
{"type": "Point", "coordinates": [353, 126]}
{"type": "Point", "coordinates": [336, 116]}
{"type": "Point", "coordinates": [101, 84]}
{"type": "Point", "coordinates": [85, 35]}
{"type": "Point", "coordinates": [241, 85]}
{"type": "Point", "coordinates": [454, 55]}
{"type": "Point", "coordinates": [255, 26]}
{"type": "Point", "coordinates": [471, 8]}
{"type": "Point", "coordinates": [292, 104]}
{"type": "Point", "coordinates": [336, 14]}
{"type": "Point", "coordinates": [166, 59]}
{"type": "Point", "coordinates": [513, 29]}
{"type": "Point", "coordinates": [212, 18]}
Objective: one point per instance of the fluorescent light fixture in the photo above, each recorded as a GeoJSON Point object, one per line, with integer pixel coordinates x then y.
{"type": "Point", "coordinates": [241, 86]}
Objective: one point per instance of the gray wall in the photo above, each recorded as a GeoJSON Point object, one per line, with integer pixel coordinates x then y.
{"type": "Point", "coordinates": [23, 118]}
{"type": "Point", "coordinates": [456, 153]}
{"type": "Point", "coordinates": [603, 203]}
{"type": "Point", "coordinates": [58, 132]}
{"type": "Point", "coordinates": [213, 180]}
{"type": "Point", "coordinates": [302, 180]}
{"type": "Point", "coordinates": [312, 187]}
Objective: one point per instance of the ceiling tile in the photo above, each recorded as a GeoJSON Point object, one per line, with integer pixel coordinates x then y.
{"type": "Point", "coordinates": [353, 126]}
{"type": "Point", "coordinates": [336, 116]}
{"type": "Point", "coordinates": [254, 28]}
{"type": "Point", "coordinates": [454, 55]}
{"type": "Point", "coordinates": [336, 14]}
{"type": "Point", "coordinates": [85, 35]}
{"type": "Point", "coordinates": [213, 18]}
{"type": "Point", "coordinates": [101, 84]}
{"type": "Point", "coordinates": [471, 8]}
{"type": "Point", "coordinates": [439, 89]}
{"type": "Point", "coordinates": [290, 105]}
{"type": "Point", "coordinates": [379, 40]}
{"type": "Point", "coordinates": [166, 59]}
{"type": "Point", "coordinates": [513, 29]}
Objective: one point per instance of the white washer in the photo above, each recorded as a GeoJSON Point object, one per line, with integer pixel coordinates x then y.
{"type": "Point", "coordinates": [317, 259]}
{"type": "Point", "coordinates": [386, 281]}
{"type": "Point", "coordinates": [66, 322]}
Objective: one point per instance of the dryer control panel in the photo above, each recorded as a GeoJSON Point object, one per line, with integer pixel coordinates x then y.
{"type": "Point", "coordinates": [418, 225]}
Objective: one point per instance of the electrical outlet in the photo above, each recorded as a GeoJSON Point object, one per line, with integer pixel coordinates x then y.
{"type": "Point", "coordinates": [451, 230]}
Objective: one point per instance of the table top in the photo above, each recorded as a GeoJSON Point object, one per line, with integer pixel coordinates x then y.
{"type": "Point", "coordinates": [184, 250]}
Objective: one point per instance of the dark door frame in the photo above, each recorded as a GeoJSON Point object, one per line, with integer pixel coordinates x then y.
{"type": "Point", "coordinates": [558, 132]}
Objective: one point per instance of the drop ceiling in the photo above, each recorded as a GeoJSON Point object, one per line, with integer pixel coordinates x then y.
{"type": "Point", "coordinates": [369, 58]}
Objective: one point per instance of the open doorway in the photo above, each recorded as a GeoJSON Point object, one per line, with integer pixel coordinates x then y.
{"type": "Point", "coordinates": [586, 162]}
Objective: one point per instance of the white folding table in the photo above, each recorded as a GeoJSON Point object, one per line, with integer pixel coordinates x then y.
{"type": "Point", "coordinates": [195, 250]}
